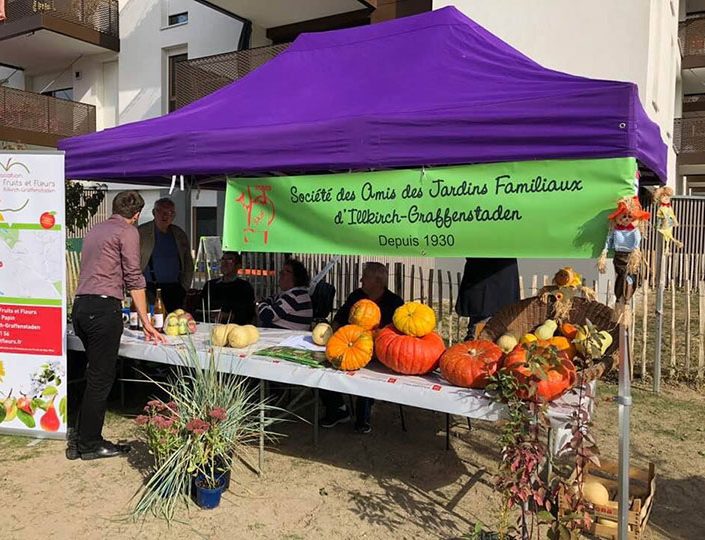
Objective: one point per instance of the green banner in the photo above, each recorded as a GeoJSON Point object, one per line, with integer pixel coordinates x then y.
{"type": "Point", "coordinates": [531, 209]}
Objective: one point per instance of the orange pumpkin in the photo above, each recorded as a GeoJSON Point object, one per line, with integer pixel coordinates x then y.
{"type": "Point", "coordinates": [409, 355]}
{"type": "Point", "coordinates": [563, 344]}
{"type": "Point", "coordinates": [569, 330]}
{"type": "Point", "coordinates": [350, 348]}
{"type": "Point", "coordinates": [560, 372]}
{"type": "Point", "coordinates": [414, 319]}
{"type": "Point", "coordinates": [365, 313]}
{"type": "Point", "coordinates": [469, 364]}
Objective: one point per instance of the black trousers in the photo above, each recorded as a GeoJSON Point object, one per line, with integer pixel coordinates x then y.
{"type": "Point", "coordinates": [97, 322]}
{"type": "Point", "coordinates": [173, 295]}
{"type": "Point", "coordinates": [334, 400]}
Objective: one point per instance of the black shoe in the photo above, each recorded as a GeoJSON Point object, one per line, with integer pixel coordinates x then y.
{"type": "Point", "coordinates": [335, 417]}
{"type": "Point", "coordinates": [106, 449]}
{"type": "Point", "coordinates": [364, 428]}
{"type": "Point", "coordinates": [72, 445]}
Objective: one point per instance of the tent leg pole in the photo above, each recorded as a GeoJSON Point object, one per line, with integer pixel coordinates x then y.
{"type": "Point", "coordinates": [262, 394]}
{"type": "Point", "coordinates": [624, 401]}
{"type": "Point", "coordinates": [315, 416]}
{"type": "Point", "coordinates": [660, 286]}
{"type": "Point", "coordinates": [447, 431]}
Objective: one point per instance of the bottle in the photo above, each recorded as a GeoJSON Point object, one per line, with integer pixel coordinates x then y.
{"type": "Point", "coordinates": [159, 311]}
{"type": "Point", "coordinates": [134, 318]}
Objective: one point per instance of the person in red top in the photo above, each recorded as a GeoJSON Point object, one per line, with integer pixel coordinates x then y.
{"type": "Point", "coordinates": [110, 264]}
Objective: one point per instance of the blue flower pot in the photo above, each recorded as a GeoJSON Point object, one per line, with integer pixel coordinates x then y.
{"type": "Point", "coordinates": [208, 497]}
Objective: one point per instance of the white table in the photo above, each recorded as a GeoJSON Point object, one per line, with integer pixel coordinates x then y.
{"type": "Point", "coordinates": [430, 391]}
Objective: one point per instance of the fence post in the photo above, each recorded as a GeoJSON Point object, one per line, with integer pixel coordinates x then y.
{"type": "Point", "coordinates": [440, 299]}
{"type": "Point", "coordinates": [430, 287]}
{"type": "Point", "coordinates": [398, 269]}
{"type": "Point", "coordinates": [451, 301]}
{"type": "Point", "coordinates": [701, 329]}
{"type": "Point", "coordinates": [413, 281]}
{"type": "Point", "coordinates": [534, 285]}
{"type": "Point", "coordinates": [672, 369]}
{"type": "Point", "coordinates": [644, 328]}
{"type": "Point", "coordinates": [687, 327]}
{"type": "Point", "coordinates": [521, 288]}
{"type": "Point", "coordinates": [661, 284]}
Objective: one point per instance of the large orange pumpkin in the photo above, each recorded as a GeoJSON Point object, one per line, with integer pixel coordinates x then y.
{"type": "Point", "coordinates": [350, 348]}
{"type": "Point", "coordinates": [469, 364]}
{"type": "Point", "coordinates": [414, 319]}
{"type": "Point", "coordinates": [365, 313]}
{"type": "Point", "coordinates": [560, 372]}
{"type": "Point", "coordinates": [409, 355]}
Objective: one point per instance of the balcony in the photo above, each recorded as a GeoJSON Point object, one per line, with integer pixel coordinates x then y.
{"type": "Point", "coordinates": [273, 13]}
{"type": "Point", "coordinates": [691, 35]}
{"type": "Point", "coordinates": [694, 103]}
{"type": "Point", "coordinates": [43, 35]}
{"type": "Point", "coordinates": [201, 76]}
{"type": "Point", "coordinates": [30, 118]}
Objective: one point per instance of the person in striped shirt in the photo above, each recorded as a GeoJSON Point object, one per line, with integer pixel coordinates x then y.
{"type": "Point", "coordinates": [291, 309]}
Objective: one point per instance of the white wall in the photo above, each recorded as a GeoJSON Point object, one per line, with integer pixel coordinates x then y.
{"type": "Point", "coordinates": [626, 40]}
{"type": "Point", "coordinates": [146, 41]}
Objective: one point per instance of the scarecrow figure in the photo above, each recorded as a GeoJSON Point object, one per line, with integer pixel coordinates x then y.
{"type": "Point", "coordinates": [666, 218]}
{"type": "Point", "coordinates": [624, 237]}
{"type": "Point", "coordinates": [566, 285]}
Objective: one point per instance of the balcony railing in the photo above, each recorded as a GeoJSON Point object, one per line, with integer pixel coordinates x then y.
{"type": "Point", "coordinates": [99, 15]}
{"type": "Point", "coordinates": [202, 76]}
{"type": "Point", "coordinates": [42, 120]}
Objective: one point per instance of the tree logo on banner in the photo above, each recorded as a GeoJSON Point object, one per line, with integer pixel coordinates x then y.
{"type": "Point", "coordinates": [259, 211]}
{"type": "Point", "coordinates": [10, 164]}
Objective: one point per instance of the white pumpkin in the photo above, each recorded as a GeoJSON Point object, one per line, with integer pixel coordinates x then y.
{"type": "Point", "coordinates": [252, 333]}
{"type": "Point", "coordinates": [321, 333]}
{"type": "Point", "coordinates": [238, 337]}
{"type": "Point", "coordinates": [219, 335]}
{"type": "Point", "coordinates": [594, 492]}
{"type": "Point", "coordinates": [507, 342]}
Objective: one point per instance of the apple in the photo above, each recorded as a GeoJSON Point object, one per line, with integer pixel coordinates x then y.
{"type": "Point", "coordinates": [47, 220]}
{"type": "Point", "coordinates": [179, 312]}
{"type": "Point", "coordinates": [172, 330]}
{"type": "Point", "coordinates": [25, 404]}
{"type": "Point", "coordinates": [183, 326]}
{"type": "Point", "coordinates": [192, 326]}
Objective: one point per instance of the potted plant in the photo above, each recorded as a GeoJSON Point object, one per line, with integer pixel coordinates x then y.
{"type": "Point", "coordinates": [210, 418]}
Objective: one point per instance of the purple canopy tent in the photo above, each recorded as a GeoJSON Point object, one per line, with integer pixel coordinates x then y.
{"type": "Point", "coordinates": [433, 89]}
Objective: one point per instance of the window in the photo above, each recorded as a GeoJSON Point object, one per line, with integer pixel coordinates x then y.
{"type": "Point", "coordinates": [179, 18]}
{"type": "Point", "coordinates": [205, 223]}
{"type": "Point", "coordinates": [64, 93]}
{"type": "Point", "coordinates": [173, 61]}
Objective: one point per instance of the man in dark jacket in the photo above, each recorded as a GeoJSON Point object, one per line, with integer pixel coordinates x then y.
{"type": "Point", "coordinates": [165, 256]}
{"type": "Point", "coordinates": [487, 286]}
{"type": "Point", "coordinates": [374, 287]}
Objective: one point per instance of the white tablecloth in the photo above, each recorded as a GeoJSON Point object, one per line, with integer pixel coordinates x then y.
{"type": "Point", "coordinates": [376, 381]}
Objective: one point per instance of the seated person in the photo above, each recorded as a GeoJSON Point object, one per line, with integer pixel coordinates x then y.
{"type": "Point", "coordinates": [291, 308]}
{"type": "Point", "coordinates": [233, 296]}
{"type": "Point", "coordinates": [374, 287]}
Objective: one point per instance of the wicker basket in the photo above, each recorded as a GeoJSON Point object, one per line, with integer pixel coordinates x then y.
{"type": "Point", "coordinates": [524, 316]}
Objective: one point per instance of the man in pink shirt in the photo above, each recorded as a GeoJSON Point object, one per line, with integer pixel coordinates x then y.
{"type": "Point", "coordinates": [110, 264]}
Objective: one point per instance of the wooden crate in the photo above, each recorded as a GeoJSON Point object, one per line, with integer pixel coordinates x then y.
{"type": "Point", "coordinates": [642, 486]}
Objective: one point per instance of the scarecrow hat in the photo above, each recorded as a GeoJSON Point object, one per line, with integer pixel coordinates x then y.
{"type": "Point", "coordinates": [630, 207]}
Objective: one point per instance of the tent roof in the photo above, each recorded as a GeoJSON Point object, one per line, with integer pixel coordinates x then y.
{"type": "Point", "coordinates": [433, 89]}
